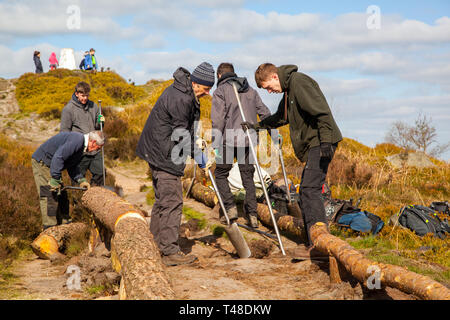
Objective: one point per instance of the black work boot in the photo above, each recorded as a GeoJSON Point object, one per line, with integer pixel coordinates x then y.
{"type": "Point", "coordinates": [178, 258]}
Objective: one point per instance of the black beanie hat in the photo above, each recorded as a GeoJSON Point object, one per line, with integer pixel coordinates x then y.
{"type": "Point", "coordinates": [204, 74]}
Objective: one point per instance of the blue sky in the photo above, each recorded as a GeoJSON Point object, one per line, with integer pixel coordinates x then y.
{"type": "Point", "coordinates": [371, 77]}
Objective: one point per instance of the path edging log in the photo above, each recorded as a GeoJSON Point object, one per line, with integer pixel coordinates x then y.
{"type": "Point", "coordinates": [366, 271]}
{"type": "Point", "coordinates": [134, 254]}
{"type": "Point", "coordinates": [201, 193]}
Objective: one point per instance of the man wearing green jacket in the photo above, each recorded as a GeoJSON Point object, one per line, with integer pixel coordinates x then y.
{"type": "Point", "coordinates": [313, 131]}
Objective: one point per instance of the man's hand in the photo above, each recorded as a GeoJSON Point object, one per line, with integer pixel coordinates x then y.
{"type": "Point", "coordinates": [84, 184]}
{"type": "Point", "coordinates": [101, 118]}
{"type": "Point", "coordinates": [247, 125]}
{"type": "Point", "coordinates": [200, 143]}
{"type": "Point", "coordinates": [326, 150]}
{"type": "Point", "coordinates": [55, 185]}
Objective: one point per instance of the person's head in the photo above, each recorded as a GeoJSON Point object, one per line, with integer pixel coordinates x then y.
{"type": "Point", "coordinates": [37, 53]}
{"type": "Point", "coordinates": [86, 53]}
{"type": "Point", "coordinates": [266, 77]}
{"type": "Point", "coordinates": [223, 68]}
{"type": "Point", "coordinates": [92, 51]}
{"type": "Point", "coordinates": [96, 141]}
{"type": "Point", "coordinates": [202, 79]}
{"type": "Point", "coordinates": [82, 90]}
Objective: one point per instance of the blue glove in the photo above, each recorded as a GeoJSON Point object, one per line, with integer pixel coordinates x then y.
{"type": "Point", "coordinates": [201, 159]}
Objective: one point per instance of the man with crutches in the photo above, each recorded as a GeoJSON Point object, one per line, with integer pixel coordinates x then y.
{"type": "Point", "coordinates": [313, 131]}
{"type": "Point", "coordinates": [82, 115]}
{"type": "Point", "coordinates": [229, 140]}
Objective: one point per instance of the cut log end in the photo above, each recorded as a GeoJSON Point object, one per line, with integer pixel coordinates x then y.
{"type": "Point", "coordinates": [45, 246]}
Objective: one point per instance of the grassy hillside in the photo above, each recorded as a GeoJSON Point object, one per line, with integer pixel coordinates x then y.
{"type": "Point", "coordinates": [47, 93]}
{"type": "Point", "coordinates": [356, 171]}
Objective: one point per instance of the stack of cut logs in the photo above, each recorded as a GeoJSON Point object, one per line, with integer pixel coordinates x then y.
{"type": "Point", "coordinates": [135, 255]}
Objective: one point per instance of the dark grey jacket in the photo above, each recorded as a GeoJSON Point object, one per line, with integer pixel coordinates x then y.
{"type": "Point", "coordinates": [225, 114]}
{"type": "Point", "coordinates": [38, 64]}
{"type": "Point", "coordinates": [168, 135]}
{"type": "Point", "coordinates": [63, 151]}
{"type": "Point", "coordinates": [79, 118]}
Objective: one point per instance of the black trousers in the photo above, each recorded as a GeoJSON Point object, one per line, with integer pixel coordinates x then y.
{"type": "Point", "coordinates": [167, 211]}
{"type": "Point", "coordinates": [93, 163]}
{"type": "Point", "coordinates": [246, 169]}
{"type": "Point", "coordinates": [313, 177]}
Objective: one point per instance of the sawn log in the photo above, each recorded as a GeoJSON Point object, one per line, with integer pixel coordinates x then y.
{"type": "Point", "coordinates": [201, 193]}
{"type": "Point", "coordinates": [50, 242]}
{"type": "Point", "coordinates": [134, 254]}
{"type": "Point", "coordinates": [369, 272]}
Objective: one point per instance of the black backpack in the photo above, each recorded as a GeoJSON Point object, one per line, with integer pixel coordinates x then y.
{"type": "Point", "coordinates": [442, 207]}
{"type": "Point", "coordinates": [423, 220]}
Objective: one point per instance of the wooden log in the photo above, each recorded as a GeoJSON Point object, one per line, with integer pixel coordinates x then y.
{"type": "Point", "coordinates": [285, 223]}
{"type": "Point", "coordinates": [369, 272]}
{"type": "Point", "coordinates": [49, 243]}
{"type": "Point", "coordinates": [201, 193]}
{"type": "Point", "coordinates": [134, 253]}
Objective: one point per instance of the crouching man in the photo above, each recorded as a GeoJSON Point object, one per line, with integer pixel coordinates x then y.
{"type": "Point", "coordinates": [63, 151]}
{"type": "Point", "coordinates": [313, 131]}
{"type": "Point", "coordinates": [166, 141]}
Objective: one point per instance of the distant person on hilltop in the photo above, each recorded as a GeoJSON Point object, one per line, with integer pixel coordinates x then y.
{"type": "Point", "coordinates": [314, 136]}
{"type": "Point", "coordinates": [90, 62]}
{"type": "Point", "coordinates": [82, 115]}
{"type": "Point", "coordinates": [176, 111]}
{"type": "Point", "coordinates": [37, 62]}
{"type": "Point", "coordinates": [93, 59]}
{"type": "Point", "coordinates": [53, 61]}
{"type": "Point", "coordinates": [82, 63]}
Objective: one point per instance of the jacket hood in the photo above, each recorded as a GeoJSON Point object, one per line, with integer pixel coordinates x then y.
{"type": "Point", "coordinates": [241, 82]}
{"type": "Point", "coordinates": [182, 80]}
{"type": "Point", "coordinates": [284, 74]}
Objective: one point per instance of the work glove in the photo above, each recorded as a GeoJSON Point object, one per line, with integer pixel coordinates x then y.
{"type": "Point", "coordinates": [83, 183]}
{"type": "Point", "coordinates": [55, 185]}
{"type": "Point", "coordinates": [326, 150]}
{"type": "Point", "coordinates": [200, 143]}
{"type": "Point", "coordinates": [247, 125]}
{"type": "Point", "coordinates": [101, 119]}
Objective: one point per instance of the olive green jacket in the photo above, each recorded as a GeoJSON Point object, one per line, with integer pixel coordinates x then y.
{"type": "Point", "coordinates": [308, 114]}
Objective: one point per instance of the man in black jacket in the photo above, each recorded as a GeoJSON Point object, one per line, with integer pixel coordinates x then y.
{"type": "Point", "coordinates": [82, 115]}
{"type": "Point", "coordinates": [63, 151]}
{"type": "Point", "coordinates": [229, 140]}
{"type": "Point", "coordinates": [166, 141]}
